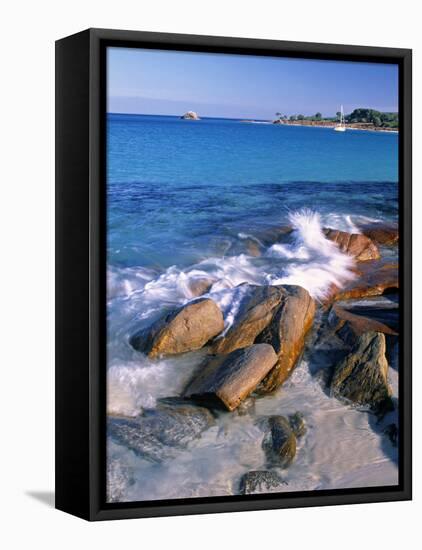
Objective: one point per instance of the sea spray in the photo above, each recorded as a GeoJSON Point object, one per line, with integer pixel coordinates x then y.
{"type": "Point", "coordinates": [320, 264]}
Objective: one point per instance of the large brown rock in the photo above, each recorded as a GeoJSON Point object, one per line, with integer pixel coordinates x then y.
{"type": "Point", "coordinates": [286, 333]}
{"type": "Point", "coordinates": [383, 234]}
{"type": "Point", "coordinates": [373, 279]}
{"type": "Point", "coordinates": [357, 245]}
{"type": "Point", "coordinates": [349, 325]}
{"type": "Point", "coordinates": [228, 379]}
{"type": "Point", "coordinates": [185, 329]}
{"type": "Point", "coordinates": [255, 313]}
{"type": "Point", "coordinates": [362, 376]}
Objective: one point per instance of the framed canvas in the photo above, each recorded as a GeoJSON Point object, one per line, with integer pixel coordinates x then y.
{"type": "Point", "coordinates": [233, 274]}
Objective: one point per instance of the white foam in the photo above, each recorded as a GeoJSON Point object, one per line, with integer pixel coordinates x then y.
{"type": "Point", "coordinates": [137, 384]}
{"type": "Point", "coordinates": [326, 264]}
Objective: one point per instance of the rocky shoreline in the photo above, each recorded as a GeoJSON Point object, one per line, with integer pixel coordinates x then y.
{"type": "Point", "coordinates": [353, 331]}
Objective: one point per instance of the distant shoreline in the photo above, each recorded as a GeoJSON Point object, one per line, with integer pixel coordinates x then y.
{"type": "Point", "coordinates": [326, 124]}
{"type": "Point", "coordinates": [348, 126]}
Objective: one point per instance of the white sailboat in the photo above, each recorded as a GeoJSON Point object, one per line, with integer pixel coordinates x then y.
{"type": "Point", "coordinates": [341, 126]}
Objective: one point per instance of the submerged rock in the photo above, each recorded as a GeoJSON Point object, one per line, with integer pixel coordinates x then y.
{"type": "Point", "coordinates": [185, 329]}
{"type": "Point", "coordinates": [246, 407]}
{"type": "Point", "coordinates": [159, 433]}
{"type": "Point", "coordinates": [261, 481]}
{"type": "Point", "coordinates": [245, 244]}
{"type": "Point", "coordinates": [286, 333]}
{"type": "Point", "coordinates": [280, 443]}
{"type": "Point", "coordinates": [362, 376]}
{"type": "Point", "coordinates": [190, 115]}
{"type": "Point", "coordinates": [200, 285]}
{"type": "Point", "coordinates": [272, 235]}
{"type": "Point", "coordinates": [357, 245]}
{"type": "Point", "coordinates": [229, 379]}
{"type": "Point", "coordinates": [297, 424]}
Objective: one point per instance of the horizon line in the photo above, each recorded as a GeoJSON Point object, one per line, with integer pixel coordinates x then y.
{"type": "Point", "coordinates": [240, 118]}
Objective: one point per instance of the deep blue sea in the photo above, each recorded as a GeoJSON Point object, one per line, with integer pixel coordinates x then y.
{"type": "Point", "coordinates": [186, 199]}
{"type": "Point", "coordinates": [177, 185]}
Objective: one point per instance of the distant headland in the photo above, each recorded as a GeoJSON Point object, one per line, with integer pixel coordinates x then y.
{"type": "Point", "coordinates": [359, 119]}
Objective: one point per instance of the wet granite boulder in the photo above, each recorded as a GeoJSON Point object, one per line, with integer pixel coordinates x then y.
{"type": "Point", "coordinates": [187, 328]}
{"type": "Point", "coordinates": [227, 379]}
{"type": "Point", "coordinates": [381, 233]}
{"type": "Point", "coordinates": [286, 333]}
{"type": "Point", "coordinates": [351, 321]}
{"type": "Point", "coordinates": [362, 376]}
{"type": "Point", "coordinates": [359, 246]}
{"type": "Point", "coordinates": [159, 433]}
{"type": "Point", "coordinates": [277, 315]}
{"type": "Point", "coordinates": [255, 313]}
{"type": "Point", "coordinates": [261, 481]}
{"type": "Point", "coordinates": [279, 443]}
{"type": "Point", "coordinates": [372, 279]}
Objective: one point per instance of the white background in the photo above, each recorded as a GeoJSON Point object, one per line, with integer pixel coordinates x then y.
{"type": "Point", "coordinates": [29, 30]}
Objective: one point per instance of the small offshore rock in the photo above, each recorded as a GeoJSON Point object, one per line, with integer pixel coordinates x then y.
{"type": "Point", "coordinates": [280, 443]}
{"type": "Point", "coordinates": [190, 115]}
{"type": "Point", "coordinates": [185, 329]}
{"type": "Point", "coordinates": [297, 424]}
{"type": "Point", "coordinates": [261, 481]}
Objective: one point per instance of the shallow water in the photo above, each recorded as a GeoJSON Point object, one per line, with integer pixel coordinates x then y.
{"type": "Point", "coordinates": [183, 200]}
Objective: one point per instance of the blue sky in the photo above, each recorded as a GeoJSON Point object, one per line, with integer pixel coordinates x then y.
{"type": "Point", "coordinates": [237, 86]}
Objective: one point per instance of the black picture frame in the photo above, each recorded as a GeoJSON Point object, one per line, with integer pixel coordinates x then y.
{"type": "Point", "coordinates": [81, 283]}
